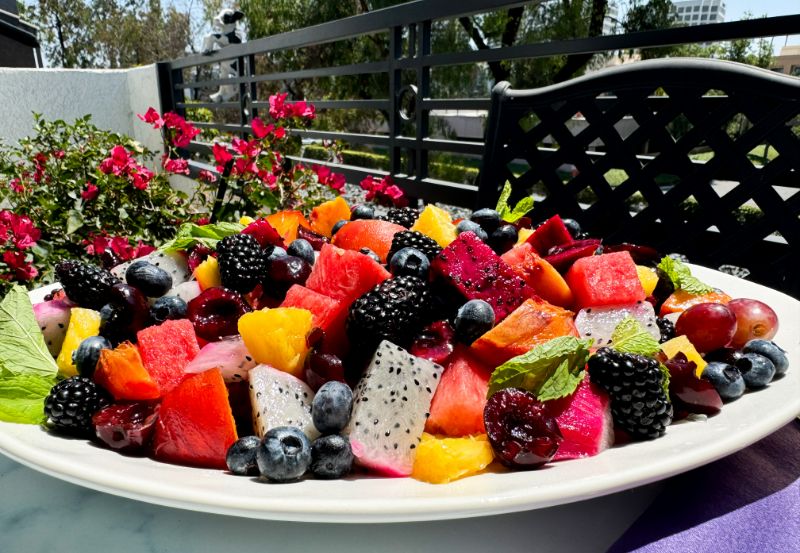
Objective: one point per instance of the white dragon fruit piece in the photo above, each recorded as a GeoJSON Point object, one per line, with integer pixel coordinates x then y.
{"type": "Point", "coordinates": [599, 323]}
{"type": "Point", "coordinates": [280, 399]}
{"type": "Point", "coordinates": [174, 263]}
{"type": "Point", "coordinates": [187, 291]}
{"type": "Point", "coordinates": [391, 404]}
{"type": "Point", "coordinates": [53, 318]}
{"type": "Point", "coordinates": [229, 355]}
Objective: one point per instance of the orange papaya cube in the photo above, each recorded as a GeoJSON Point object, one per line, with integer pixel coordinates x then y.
{"type": "Point", "coordinates": [327, 214]}
{"type": "Point", "coordinates": [532, 323]}
{"type": "Point", "coordinates": [367, 233]}
{"type": "Point", "coordinates": [539, 274]}
{"type": "Point", "coordinates": [607, 279]}
{"type": "Point", "coordinates": [680, 301]}
{"type": "Point", "coordinates": [122, 373]}
{"type": "Point", "coordinates": [286, 223]}
{"type": "Point", "coordinates": [195, 424]}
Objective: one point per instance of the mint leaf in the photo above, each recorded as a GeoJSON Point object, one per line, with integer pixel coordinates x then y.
{"type": "Point", "coordinates": [190, 235]}
{"type": "Point", "coordinates": [629, 336]}
{"type": "Point", "coordinates": [681, 277]}
{"type": "Point", "coordinates": [22, 347]}
{"type": "Point", "coordinates": [520, 210]}
{"type": "Point", "coordinates": [550, 370]}
{"type": "Point", "coordinates": [22, 397]}
{"type": "Point", "coordinates": [665, 382]}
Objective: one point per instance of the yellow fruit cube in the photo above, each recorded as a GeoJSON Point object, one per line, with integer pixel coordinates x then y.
{"type": "Point", "coordinates": [523, 235]}
{"type": "Point", "coordinates": [207, 273]}
{"type": "Point", "coordinates": [442, 460]}
{"type": "Point", "coordinates": [83, 323]}
{"type": "Point", "coordinates": [246, 220]}
{"type": "Point", "coordinates": [437, 224]}
{"type": "Point", "coordinates": [648, 278]}
{"type": "Point", "coordinates": [681, 344]}
{"type": "Point", "coordinates": [278, 337]}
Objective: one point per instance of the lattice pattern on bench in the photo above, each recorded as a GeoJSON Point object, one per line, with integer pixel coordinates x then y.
{"type": "Point", "coordinates": [670, 109]}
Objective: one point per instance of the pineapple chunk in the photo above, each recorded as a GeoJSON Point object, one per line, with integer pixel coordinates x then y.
{"type": "Point", "coordinates": [278, 337]}
{"type": "Point", "coordinates": [83, 323]}
{"type": "Point", "coordinates": [681, 344]}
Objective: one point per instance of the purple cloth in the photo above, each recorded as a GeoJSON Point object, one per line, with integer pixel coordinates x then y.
{"type": "Point", "coordinates": [748, 502]}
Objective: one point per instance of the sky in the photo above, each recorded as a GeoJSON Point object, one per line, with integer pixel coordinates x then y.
{"type": "Point", "coordinates": [735, 10]}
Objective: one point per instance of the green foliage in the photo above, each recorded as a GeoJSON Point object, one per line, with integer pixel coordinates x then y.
{"type": "Point", "coordinates": [45, 175]}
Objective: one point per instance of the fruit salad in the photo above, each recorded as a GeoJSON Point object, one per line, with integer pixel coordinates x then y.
{"type": "Point", "coordinates": [405, 344]}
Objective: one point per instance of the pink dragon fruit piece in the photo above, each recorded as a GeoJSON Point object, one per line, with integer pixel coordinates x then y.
{"type": "Point", "coordinates": [391, 403]}
{"type": "Point", "coordinates": [229, 355]}
{"type": "Point", "coordinates": [53, 318]}
{"type": "Point", "coordinates": [480, 274]}
{"type": "Point", "coordinates": [585, 421]}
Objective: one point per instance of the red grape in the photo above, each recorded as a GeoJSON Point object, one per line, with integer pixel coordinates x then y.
{"type": "Point", "coordinates": [754, 319]}
{"type": "Point", "coordinates": [708, 326]}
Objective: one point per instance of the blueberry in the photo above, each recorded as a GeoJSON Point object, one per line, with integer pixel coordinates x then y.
{"type": "Point", "coordinates": [771, 351]}
{"type": "Point", "coordinates": [503, 239]}
{"type": "Point", "coordinates": [241, 456]}
{"type": "Point", "coordinates": [152, 281]}
{"type": "Point", "coordinates": [756, 369]}
{"type": "Point", "coordinates": [168, 308]}
{"type": "Point", "coordinates": [410, 262]}
{"type": "Point", "coordinates": [87, 354]}
{"type": "Point", "coordinates": [284, 454]}
{"type": "Point", "coordinates": [303, 249]}
{"type": "Point", "coordinates": [723, 355]}
{"type": "Point", "coordinates": [471, 226]}
{"type": "Point", "coordinates": [573, 226]}
{"type": "Point", "coordinates": [338, 225]}
{"type": "Point", "coordinates": [331, 457]}
{"type": "Point", "coordinates": [726, 379]}
{"type": "Point", "coordinates": [331, 407]}
{"type": "Point", "coordinates": [488, 219]}
{"type": "Point", "coordinates": [276, 253]}
{"type": "Point", "coordinates": [362, 211]}
{"type": "Point", "coordinates": [372, 255]}
{"type": "Point", "coordinates": [474, 318]}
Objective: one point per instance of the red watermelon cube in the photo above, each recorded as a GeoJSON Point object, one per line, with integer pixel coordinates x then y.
{"type": "Point", "coordinates": [328, 314]}
{"type": "Point", "coordinates": [166, 349]}
{"type": "Point", "coordinates": [344, 275]}
{"type": "Point", "coordinates": [607, 279]}
{"type": "Point", "coordinates": [195, 424]}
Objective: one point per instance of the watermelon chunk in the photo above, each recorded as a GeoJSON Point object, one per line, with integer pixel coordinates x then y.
{"type": "Point", "coordinates": [166, 349]}
{"type": "Point", "coordinates": [607, 279]}
{"type": "Point", "coordinates": [457, 405]}
{"type": "Point", "coordinates": [195, 424]}
{"type": "Point", "coordinates": [344, 275]}
{"type": "Point", "coordinates": [585, 421]}
{"type": "Point", "coordinates": [368, 233]}
{"type": "Point", "coordinates": [552, 232]}
{"type": "Point", "coordinates": [328, 314]}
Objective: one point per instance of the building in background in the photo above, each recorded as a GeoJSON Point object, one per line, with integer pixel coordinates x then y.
{"type": "Point", "coordinates": [611, 25]}
{"type": "Point", "coordinates": [699, 12]}
{"type": "Point", "coordinates": [788, 61]}
{"type": "Point", "coordinates": [19, 46]}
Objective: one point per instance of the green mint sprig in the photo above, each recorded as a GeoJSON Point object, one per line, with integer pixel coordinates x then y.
{"type": "Point", "coordinates": [190, 235]}
{"type": "Point", "coordinates": [681, 277]}
{"type": "Point", "coordinates": [512, 215]}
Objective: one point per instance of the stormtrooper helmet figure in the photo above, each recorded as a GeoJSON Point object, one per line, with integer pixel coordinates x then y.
{"type": "Point", "coordinates": [224, 33]}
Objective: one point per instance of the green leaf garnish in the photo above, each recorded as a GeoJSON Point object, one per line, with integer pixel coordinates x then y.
{"type": "Point", "coordinates": [22, 397]}
{"type": "Point", "coordinates": [665, 381]}
{"type": "Point", "coordinates": [549, 371]}
{"type": "Point", "coordinates": [629, 336]}
{"type": "Point", "coordinates": [191, 235]}
{"type": "Point", "coordinates": [520, 210]}
{"type": "Point", "coordinates": [22, 347]}
{"type": "Point", "coordinates": [681, 277]}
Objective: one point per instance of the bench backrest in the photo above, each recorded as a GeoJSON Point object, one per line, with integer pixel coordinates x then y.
{"type": "Point", "coordinates": [667, 153]}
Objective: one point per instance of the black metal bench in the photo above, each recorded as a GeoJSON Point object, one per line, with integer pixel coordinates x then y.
{"type": "Point", "coordinates": [623, 168]}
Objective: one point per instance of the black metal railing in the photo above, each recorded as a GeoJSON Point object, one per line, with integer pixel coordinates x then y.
{"type": "Point", "coordinates": [409, 36]}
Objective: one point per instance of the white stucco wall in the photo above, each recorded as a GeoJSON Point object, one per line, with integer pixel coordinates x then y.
{"type": "Point", "coordinates": [112, 97]}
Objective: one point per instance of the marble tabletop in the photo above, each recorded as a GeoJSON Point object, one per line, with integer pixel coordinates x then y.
{"type": "Point", "coordinates": [39, 513]}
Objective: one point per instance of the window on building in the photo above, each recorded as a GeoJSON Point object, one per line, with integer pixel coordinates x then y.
{"type": "Point", "coordinates": [705, 8]}
{"type": "Point", "coordinates": [697, 8]}
{"type": "Point", "coordinates": [795, 71]}
{"type": "Point", "coordinates": [694, 17]}
{"type": "Point", "coordinates": [714, 8]}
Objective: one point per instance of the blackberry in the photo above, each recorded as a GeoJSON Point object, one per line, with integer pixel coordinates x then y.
{"type": "Point", "coordinates": [85, 284]}
{"type": "Point", "coordinates": [635, 383]}
{"type": "Point", "coordinates": [394, 310]}
{"type": "Point", "coordinates": [667, 329]}
{"type": "Point", "coordinates": [242, 263]}
{"type": "Point", "coordinates": [403, 216]}
{"type": "Point", "coordinates": [414, 239]}
{"type": "Point", "coordinates": [72, 402]}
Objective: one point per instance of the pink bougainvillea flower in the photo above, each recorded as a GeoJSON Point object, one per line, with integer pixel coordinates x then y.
{"type": "Point", "coordinates": [303, 109]}
{"type": "Point", "coordinates": [141, 250]}
{"type": "Point", "coordinates": [222, 156]}
{"type": "Point", "coordinates": [327, 177]}
{"type": "Point", "coordinates": [176, 165]}
{"type": "Point", "coordinates": [203, 221]}
{"type": "Point", "coordinates": [151, 116]}
{"type": "Point", "coordinates": [40, 159]}
{"type": "Point", "coordinates": [277, 106]}
{"type": "Point", "coordinates": [24, 232]}
{"type": "Point", "coordinates": [117, 162]}
{"type": "Point", "coordinates": [181, 131]}
{"type": "Point", "coordinates": [90, 192]}
{"type": "Point", "coordinates": [279, 133]}
{"type": "Point", "coordinates": [121, 246]}
{"type": "Point", "coordinates": [23, 269]}
{"type": "Point", "coordinates": [16, 186]}
{"type": "Point", "coordinates": [207, 176]}
{"type": "Point", "coordinates": [260, 130]}
{"type": "Point", "coordinates": [384, 192]}
{"type": "Point", "coordinates": [141, 178]}
{"type": "Point", "coordinates": [59, 154]}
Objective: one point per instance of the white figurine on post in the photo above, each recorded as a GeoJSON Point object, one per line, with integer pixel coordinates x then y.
{"type": "Point", "coordinates": [224, 33]}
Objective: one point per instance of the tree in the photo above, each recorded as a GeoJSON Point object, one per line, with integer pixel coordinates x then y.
{"type": "Point", "coordinates": [651, 16]}
{"type": "Point", "coordinates": [108, 33]}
